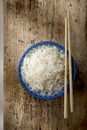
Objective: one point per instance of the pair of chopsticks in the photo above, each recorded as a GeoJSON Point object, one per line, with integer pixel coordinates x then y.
{"type": "Point", "coordinates": [68, 47]}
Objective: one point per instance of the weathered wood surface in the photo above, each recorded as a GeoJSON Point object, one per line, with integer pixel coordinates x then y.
{"type": "Point", "coordinates": [29, 21]}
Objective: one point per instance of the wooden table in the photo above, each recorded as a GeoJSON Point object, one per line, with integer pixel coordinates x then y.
{"type": "Point", "coordinates": [27, 22]}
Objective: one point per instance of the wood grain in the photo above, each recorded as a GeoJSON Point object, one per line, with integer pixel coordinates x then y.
{"type": "Point", "coordinates": [27, 22]}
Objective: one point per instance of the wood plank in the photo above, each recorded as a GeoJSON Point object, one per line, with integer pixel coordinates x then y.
{"type": "Point", "coordinates": [27, 22]}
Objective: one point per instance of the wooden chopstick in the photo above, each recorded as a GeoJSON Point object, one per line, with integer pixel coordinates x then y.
{"type": "Point", "coordinates": [70, 65]}
{"type": "Point", "coordinates": [65, 80]}
{"type": "Point", "coordinates": [68, 43]}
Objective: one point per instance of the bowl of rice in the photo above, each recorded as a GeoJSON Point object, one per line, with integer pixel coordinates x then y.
{"type": "Point", "coordinates": [41, 70]}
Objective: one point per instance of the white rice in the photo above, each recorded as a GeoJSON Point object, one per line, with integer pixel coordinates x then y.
{"type": "Point", "coordinates": [42, 69]}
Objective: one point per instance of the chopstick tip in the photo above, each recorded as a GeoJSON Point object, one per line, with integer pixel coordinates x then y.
{"type": "Point", "coordinates": [68, 13]}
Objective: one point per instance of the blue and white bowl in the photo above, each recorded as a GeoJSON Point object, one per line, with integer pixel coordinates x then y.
{"type": "Point", "coordinates": [26, 88]}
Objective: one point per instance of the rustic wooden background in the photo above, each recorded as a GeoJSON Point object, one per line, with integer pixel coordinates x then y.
{"type": "Point", "coordinates": [30, 21]}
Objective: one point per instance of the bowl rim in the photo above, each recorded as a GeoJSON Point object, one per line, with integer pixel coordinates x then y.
{"type": "Point", "coordinates": [23, 85]}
